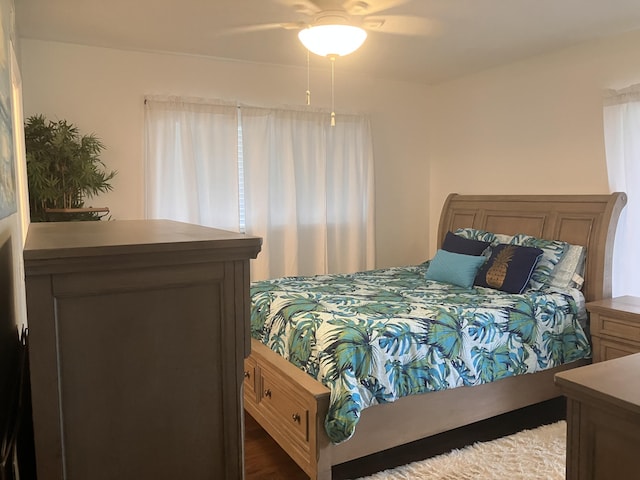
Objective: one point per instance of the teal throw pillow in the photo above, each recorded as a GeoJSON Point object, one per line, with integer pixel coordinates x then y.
{"type": "Point", "coordinates": [454, 268]}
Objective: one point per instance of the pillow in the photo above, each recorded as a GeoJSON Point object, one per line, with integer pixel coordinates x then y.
{"type": "Point", "coordinates": [509, 268]}
{"type": "Point", "coordinates": [457, 244]}
{"type": "Point", "coordinates": [570, 265]}
{"type": "Point", "coordinates": [483, 235]}
{"type": "Point", "coordinates": [454, 268]}
{"type": "Point", "coordinates": [475, 234]}
{"type": "Point", "coordinates": [552, 253]}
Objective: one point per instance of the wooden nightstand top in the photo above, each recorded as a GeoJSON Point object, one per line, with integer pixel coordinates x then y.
{"type": "Point", "coordinates": [612, 382]}
{"type": "Point", "coordinates": [626, 304]}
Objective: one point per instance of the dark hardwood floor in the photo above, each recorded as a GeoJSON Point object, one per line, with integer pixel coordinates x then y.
{"type": "Point", "coordinates": [265, 460]}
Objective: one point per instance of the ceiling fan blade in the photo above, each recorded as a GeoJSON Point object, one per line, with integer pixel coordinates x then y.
{"type": "Point", "coordinates": [299, 7]}
{"type": "Point", "coordinates": [370, 7]}
{"type": "Point", "coordinates": [322, 5]}
{"type": "Point", "coordinates": [261, 27]}
{"type": "Point", "coordinates": [311, 7]}
{"type": "Point", "coordinates": [402, 25]}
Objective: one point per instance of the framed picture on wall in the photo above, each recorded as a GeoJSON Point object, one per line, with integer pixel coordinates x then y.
{"type": "Point", "coordinates": [7, 167]}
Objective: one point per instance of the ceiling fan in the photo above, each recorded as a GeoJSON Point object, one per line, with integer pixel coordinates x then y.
{"type": "Point", "coordinates": [330, 19]}
{"type": "Point", "coordinates": [334, 28]}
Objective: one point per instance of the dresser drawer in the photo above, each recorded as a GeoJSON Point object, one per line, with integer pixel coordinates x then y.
{"type": "Point", "coordinates": [278, 400]}
{"type": "Point", "coordinates": [604, 325]}
{"type": "Point", "coordinates": [604, 349]}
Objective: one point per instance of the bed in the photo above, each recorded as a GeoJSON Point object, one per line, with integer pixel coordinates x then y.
{"type": "Point", "coordinates": [299, 412]}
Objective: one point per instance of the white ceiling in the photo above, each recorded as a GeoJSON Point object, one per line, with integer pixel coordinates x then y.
{"type": "Point", "coordinates": [423, 41]}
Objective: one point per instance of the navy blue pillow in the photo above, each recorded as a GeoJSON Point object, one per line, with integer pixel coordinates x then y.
{"type": "Point", "coordinates": [456, 244]}
{"type": "Point", "coordinates": [509, 268]}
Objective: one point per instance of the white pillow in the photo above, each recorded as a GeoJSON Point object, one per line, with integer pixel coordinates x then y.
{"type": "Point", "coordinates": [572, 263]}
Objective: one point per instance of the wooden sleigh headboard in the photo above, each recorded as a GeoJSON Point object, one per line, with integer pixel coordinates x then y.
{"type": "Point", "coordinates": [588, 220]}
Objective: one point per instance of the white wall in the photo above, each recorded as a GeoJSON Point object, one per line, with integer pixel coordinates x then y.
{"type": "Point", "coordinates": [101, 90]}
{"type": "Point", "coordinates": [530, 127]}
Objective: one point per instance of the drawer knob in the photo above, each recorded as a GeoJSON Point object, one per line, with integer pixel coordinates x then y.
{"type": "Point", "coordinates": [247, 374]}
{"type": "Point", "coordinates": [295, 417]}
{"type": "Point", "coordinates": [267, 393]}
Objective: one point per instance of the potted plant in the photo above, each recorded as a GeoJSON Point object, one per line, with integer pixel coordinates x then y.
{"type": "Point", "coordinates": [63, 168]}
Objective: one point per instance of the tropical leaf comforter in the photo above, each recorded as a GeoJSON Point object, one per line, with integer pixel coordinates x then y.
{"type": "Point", "coordinates": [373, 337]}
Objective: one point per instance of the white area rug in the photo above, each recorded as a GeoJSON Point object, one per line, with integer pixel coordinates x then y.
{"type": "Point", "coordinates": [528, 455]}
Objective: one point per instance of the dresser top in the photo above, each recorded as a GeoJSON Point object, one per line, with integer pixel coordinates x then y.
{"type": "Point", "coordinates": [59, 240]}
{"type": "Point", "coordinates": [626, 304]}
{"type": "Point", "coordinates": [614, 382]}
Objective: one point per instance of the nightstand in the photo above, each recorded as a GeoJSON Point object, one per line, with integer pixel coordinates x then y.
{"type": "Point", "coordinates": [615, 327]}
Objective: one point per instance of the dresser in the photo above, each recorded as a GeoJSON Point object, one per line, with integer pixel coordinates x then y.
{"type": "Point", "coordinates": [603, 419]}
{"type": "Point", "coordinates": [615, 327]}
{"type": "Point", "coordinates": [138, 331]}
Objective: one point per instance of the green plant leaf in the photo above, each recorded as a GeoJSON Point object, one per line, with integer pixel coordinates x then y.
{"type": "Point", "coordinates": [63, 167]}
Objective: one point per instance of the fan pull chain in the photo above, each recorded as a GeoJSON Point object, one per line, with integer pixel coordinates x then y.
{"type": "Point", "coordinates": [333, 113]}
{"type": "Point", "coordinates": [308, 82]}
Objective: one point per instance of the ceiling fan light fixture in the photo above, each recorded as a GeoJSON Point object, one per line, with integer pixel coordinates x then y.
{"type": "Point", "coordinates": [332, 40]}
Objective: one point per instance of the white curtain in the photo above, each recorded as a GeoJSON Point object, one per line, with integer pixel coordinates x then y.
{"type": "Point", "coordinates": [192, 162]}
{"type": "Point", "coordinates": [622, 142]}
{"type": "Point", "coordinates": [303, 186]}
{"type": "Point", "coordinates": [308, 191]}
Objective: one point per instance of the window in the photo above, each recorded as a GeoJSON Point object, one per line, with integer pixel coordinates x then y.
{"type": "Point", "coordinates": [287, 176]}
{"type": "Point", "coordinates": [622, 141]}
